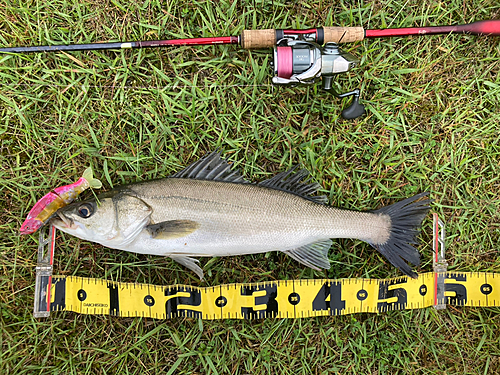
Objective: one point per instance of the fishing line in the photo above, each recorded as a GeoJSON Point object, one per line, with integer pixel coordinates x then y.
{"type": "Point", "coordinates": [273, 299]}
{"type": "Point", "coordinates": [83, 87]}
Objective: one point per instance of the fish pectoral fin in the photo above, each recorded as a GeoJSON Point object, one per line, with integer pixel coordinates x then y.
{"type": "Point", "coordinates": [167, 230]}
{"type": "Point", "coordinates": [189, 263]}
{"type": "Point", "coordinates": [314, 255]}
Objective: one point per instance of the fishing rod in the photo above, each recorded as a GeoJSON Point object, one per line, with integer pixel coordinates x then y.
{"type": "Point", "coordinates": [301, 57]}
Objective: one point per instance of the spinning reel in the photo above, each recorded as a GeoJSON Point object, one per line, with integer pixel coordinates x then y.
{"type": "Point", "coordinates": [300, 62]}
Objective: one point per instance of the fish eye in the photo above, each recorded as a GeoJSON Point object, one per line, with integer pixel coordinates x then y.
{"type": "Point", "coordinates": [85, 210]}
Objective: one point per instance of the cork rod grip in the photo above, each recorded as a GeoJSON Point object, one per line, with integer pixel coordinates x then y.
{"type": "Point", "coordinates": [258, 38]}
{"type": "Point", "coordinates": [267, 38]}
{"type": "Point", "coordinates": [343, 34]}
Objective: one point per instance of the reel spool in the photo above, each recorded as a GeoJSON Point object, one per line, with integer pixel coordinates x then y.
{"type": "Point", "coordinates": [299, 62]}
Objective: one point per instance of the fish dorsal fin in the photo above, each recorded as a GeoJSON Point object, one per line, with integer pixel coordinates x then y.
{"type": "Point", "coordinates": [314, 255]}
{"type": "Point", "coordinates": [292, 183]}
{"type": "Point", "coordinates": [211, 167]}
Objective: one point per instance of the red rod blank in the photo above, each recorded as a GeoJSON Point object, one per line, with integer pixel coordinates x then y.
{"type": "Point", "coordinates": [488, 28]}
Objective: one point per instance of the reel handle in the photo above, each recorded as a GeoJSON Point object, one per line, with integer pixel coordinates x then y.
{"type": "Point", "coordinates": [355, 109]}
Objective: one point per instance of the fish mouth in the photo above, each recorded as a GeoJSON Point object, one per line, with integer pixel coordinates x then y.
{"type": "Point", "coordinates": [63, 222]}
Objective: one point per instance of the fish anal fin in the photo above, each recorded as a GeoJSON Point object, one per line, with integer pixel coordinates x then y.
{"type": "Point", "coordinates": [167, 230]}
{"type": "Point", "coordinates": [313, 255]}
{"type": "Point", "coordinates": [190, 263]}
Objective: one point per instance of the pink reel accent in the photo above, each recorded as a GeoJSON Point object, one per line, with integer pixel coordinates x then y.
{"type": "Point", "coordinates": [285, 62]}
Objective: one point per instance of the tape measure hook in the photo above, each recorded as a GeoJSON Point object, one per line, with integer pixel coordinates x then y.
{"type": "Point", "coordinates": [439, 264]}
{"type": "Point", "coordinates": [438, 244]}
{"type": "Point", "coordinates": [43, 278]}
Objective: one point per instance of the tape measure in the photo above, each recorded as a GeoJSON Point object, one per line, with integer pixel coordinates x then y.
{"type": "Point", "coordinates": [275, 299]}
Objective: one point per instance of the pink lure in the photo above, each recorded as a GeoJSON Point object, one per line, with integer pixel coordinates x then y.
{"type": "Point", "coordinates": [59, 197]}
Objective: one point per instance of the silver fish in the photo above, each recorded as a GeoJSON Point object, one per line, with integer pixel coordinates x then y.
{"type": "Point", "coordinates": [210, 210]}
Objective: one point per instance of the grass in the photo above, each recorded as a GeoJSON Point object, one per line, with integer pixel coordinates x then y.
{"type": "Point", "coordinates": [431, 124]}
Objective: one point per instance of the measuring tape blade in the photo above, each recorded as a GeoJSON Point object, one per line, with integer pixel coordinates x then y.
{"type": "Point", "coordinates": [280, 299]}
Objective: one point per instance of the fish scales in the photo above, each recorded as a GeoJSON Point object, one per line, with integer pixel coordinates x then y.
{"type": "Point", "coordinates": [240, 219]}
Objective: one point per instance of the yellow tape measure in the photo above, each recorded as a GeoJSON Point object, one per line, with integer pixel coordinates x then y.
{"type": "Point", "coordinates": [281, 299]}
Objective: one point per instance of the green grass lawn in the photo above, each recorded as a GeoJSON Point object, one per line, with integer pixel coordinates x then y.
{"type": "Point", "coordinates": [432, 124]}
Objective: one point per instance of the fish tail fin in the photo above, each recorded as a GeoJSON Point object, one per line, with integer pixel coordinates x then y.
{"type": "Point", "coordinates": [93, 182]}
{"type": "Point", "coordinates": [406, 220]}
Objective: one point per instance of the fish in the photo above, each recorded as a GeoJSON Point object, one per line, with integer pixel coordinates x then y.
{"type": "Point", "coordinates": [209, 210]}
{"type": "Point", "coordinates": [60, 197]}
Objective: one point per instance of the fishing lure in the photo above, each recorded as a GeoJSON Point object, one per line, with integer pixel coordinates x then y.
{"type": "Point", "coordinates": [56, 199]}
